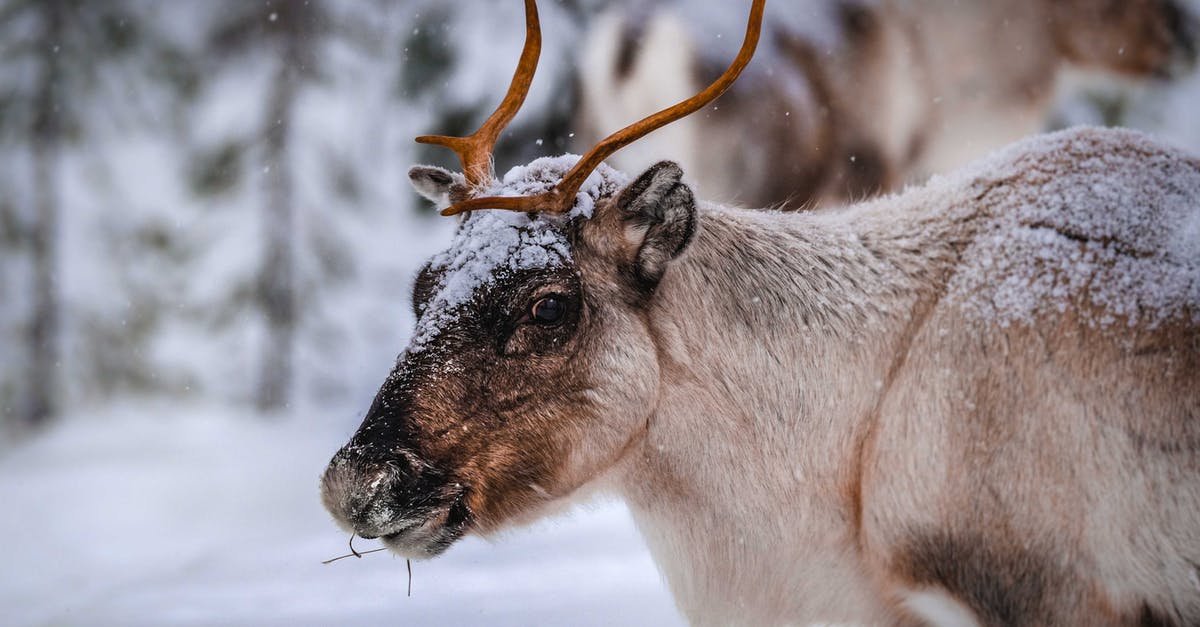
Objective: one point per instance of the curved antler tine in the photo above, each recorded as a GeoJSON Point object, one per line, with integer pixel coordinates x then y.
{"type": "Point", "coordinates": [574, 179]}
{"type": "Point", "coordinates": [561, 198]}
{"type": "Point", "coordinates": [534, 203]}
{"type": "Point", "coordinates": [475, 150]}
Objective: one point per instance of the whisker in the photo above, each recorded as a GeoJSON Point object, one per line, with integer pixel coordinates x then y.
{"type": "Point", "coordinates": [357, 554]}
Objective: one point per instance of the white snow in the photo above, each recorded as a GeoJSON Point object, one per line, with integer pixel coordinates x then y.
{"type": "Point", "coordinates": [1109, 217]}
{"type": "Point", "coordinates": [492, 242]}
{"type": "Point", "coordinates": [162, 515]}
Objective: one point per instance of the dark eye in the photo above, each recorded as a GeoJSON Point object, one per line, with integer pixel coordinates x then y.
{"type": "Point", "coordinates": [549, 311]}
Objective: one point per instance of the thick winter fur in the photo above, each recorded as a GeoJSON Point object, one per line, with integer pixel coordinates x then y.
{"type": "Point", "coordinates": [813, 422]}
{"type": "Point", "coordinates": [869, 444]}
{"type": "Point", "coordinates": [903, 90]}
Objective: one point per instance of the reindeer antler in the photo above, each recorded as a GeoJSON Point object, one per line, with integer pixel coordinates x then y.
{"type": "Point", "coordinates": [561, 197]}
{"type": "Point", "coordinates": [475, 151]}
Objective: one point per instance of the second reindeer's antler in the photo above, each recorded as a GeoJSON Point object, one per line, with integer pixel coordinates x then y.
{"type": "Point", "coordinates": [476, 151]}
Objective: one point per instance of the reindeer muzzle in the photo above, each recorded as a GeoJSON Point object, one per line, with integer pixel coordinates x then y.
{"type": "Point", "coordinates": [393, 495]}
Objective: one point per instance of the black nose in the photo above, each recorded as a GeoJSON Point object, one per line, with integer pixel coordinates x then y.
{"type": "Point", "coordinates": [360, 488]}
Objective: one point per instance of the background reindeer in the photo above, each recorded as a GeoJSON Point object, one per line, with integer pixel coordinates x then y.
{"type": "Point", "coordinates": [851, 97]}
{"type": "Point", "coordinates": [977, 402]}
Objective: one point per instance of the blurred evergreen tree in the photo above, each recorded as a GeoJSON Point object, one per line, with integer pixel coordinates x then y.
{"type": "Point", "coordinates": [54, 53]}
{"type": "Point", "coordinates": [303, 41]}
{"type": "Point", "coordinates": [288, 31]}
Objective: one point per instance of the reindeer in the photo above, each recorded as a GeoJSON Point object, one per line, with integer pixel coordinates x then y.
{"type": "Point", "coordinates": [855, 97]}
{"type": "Point", "coordinates": [977, 402]}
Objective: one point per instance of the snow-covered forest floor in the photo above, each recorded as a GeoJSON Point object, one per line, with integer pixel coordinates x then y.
{"type": "Point", "coordinates": [152, 514]}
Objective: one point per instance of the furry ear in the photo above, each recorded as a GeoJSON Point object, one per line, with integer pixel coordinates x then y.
{"type": "Point", "coordinates": [659, 213]}
{"type": "Point", "coordinates": [436, 184]}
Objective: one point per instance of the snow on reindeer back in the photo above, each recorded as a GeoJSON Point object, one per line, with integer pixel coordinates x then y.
{"type": "Point", "coordinates": [1104, 218]}
{"type": "Point", "coordinates": [491, 243]}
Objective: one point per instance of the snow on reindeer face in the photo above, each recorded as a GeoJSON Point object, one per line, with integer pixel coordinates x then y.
{"type": "Point", "coordinates": [514, 389]}
{"type": "Point", "coordinates": [492, 248]}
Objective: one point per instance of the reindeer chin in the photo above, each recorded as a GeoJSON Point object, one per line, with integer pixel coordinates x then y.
{"type": "Point", "coordinates": [431, 537]}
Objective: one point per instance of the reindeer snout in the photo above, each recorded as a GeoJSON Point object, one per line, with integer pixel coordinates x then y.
{"type": "Point", "coordinates": [364, 492]}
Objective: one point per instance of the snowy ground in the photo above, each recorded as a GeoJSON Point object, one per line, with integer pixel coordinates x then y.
{"type": "Point", "coordinates": [153, 515]}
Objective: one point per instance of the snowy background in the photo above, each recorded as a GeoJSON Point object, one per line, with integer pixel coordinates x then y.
{"type": "Point", "coordinates": [204, 214]}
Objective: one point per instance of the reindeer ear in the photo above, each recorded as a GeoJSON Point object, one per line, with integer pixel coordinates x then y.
{"type": "Point", "coordinates": [659, 213]}
{"type": "Point", "coordinates": [436, 184]}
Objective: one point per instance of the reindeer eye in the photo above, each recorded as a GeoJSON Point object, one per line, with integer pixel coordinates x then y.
{"type": "Point", "coordinates": [548, 311]}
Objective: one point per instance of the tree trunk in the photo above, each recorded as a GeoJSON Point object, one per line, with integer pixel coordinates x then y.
{"type": "Point", "coordinates": [278, 281]}
{"type": "Point", "coordinates": [44, 328]}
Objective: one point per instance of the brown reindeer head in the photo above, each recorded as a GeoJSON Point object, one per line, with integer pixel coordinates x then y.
{"type": "Point", "coordinates": [531, 370]}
